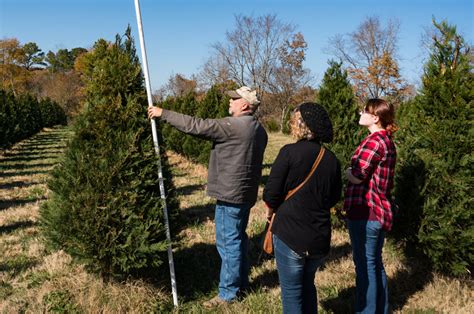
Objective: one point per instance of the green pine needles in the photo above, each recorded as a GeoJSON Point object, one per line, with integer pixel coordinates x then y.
{"type": "Point", "coordinates": [105, 207]}
{"type": "Point", "coordinates": [434, 175]}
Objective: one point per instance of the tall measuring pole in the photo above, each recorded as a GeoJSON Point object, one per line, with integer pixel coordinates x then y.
{"type": "Point", "coordinates": [157, 151]}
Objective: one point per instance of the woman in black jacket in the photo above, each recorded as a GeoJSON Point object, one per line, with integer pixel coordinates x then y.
{"type": "Point", "coordinates": [302, 225]}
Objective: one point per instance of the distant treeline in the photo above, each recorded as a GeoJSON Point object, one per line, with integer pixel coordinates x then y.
{"type": "Point", "coordinates": [26, 69]}
{"type": "Point", "coordinates": [23, 116]}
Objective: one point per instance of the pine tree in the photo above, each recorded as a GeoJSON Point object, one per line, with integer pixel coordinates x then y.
{"type": "Point", "coordinates": [51, 113]}
{"type": "Point", "coordinates": [435, 181]}
{"type": "Point", "coordinates": [336, 95]}
{"type": "Point", "coordinates": [105, 207]}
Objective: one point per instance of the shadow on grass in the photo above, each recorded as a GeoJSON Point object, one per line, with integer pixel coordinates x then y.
{"type": "Point", "coordinates": [256, 254]}
{"type": "Point", "coordinates": [19, 166]}
{"type": "Point", "coordinates": [267, 280]}
{"type": "Point", "coordinates": [197, 271]}
{"type": "Point", "coordinates": [41, 142]}
{"type": "Point", "coordinates": [338, 252]}
{"type": "Point", "coordinates": [22, 154]}
{"type": "Point", "coordinates": [41, 148]}
{"type": "Point", "coordinates": [28, 157]}
{"type": "Point", "coordinates": [45, 137]}
{"type": "Point", "coordinates": [342, 303]}
{"type": "Point", "coordinates": [33, 153]}
{"type": "Point", "coordinates": [38, 148]}
{"type": "Point", "coordinates": [405, 283]}
{"type": "Point", "coordinates": [402, 286]}
{"type": "Point", "coordinates": [195, 215]}
{"type": "Point", "coordinates": [17, 264]}
{"type": "Point", "coordinates": [190, 189]}
{"type": "Point", "coordinates": [198, 267]}
{"type": "Point", "coordinates": [16, 184]}
{"type": "Point", "coordinates": [23, 173]}
{"type": "Point", "coordinates": [16, 226]}
{"type": "Point", "coordinates": [50, 137]}
{"type": "Point", "coordinates": [18, 202]}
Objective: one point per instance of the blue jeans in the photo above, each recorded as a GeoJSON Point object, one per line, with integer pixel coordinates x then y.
{"type": "Point", "coordinates": [296, 274]}
{"type": "Point", "coordinates": [232, 244]}
{"type": "Point", "coordinates": [367, 238]}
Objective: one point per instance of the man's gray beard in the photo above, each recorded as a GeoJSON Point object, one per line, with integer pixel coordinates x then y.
{"type": "Point", "coordinates": [230, 111]}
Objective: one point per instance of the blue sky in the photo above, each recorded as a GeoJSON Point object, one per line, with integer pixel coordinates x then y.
{"type": "Point", "coordinates": [179, 33]}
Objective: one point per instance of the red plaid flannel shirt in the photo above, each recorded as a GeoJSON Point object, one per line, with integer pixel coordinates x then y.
{"type": "Point", "coordinates": [374, 164]}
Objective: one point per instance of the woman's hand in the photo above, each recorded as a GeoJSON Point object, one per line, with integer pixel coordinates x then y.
{"type": "Point", "coordinates": [351, 177]}
{"type": "Point", "coordinates": [268, 212]}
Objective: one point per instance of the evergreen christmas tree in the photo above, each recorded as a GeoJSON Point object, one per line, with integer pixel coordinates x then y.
{"type": "Point", "coordinates": [51, 113]}
{"type": "Point", "coordinates": [105, 207]}
{"type": "Point", "coordinates": [434, 181]}
{"type": "Point", "coordinates": [336, 95]}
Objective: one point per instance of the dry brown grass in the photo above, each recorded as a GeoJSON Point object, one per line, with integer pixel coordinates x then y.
{"type": "Point", "coordinates": [29, 273]}
{"type": "Point", "coordinates": [31, 276]}
{"type": "Point", "coordinates": [335, 282]}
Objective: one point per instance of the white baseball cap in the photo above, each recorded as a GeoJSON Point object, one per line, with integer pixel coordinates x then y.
{"type": "Point", "coordinates": [246, 93]}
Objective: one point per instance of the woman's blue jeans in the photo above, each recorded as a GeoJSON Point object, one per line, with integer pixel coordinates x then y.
{"type": "Point", "coordinates": [232, 244]}
{"type": "Point", "coordinates": [296, 274]}
{"type": "Point", "coordinates": [367, 238]}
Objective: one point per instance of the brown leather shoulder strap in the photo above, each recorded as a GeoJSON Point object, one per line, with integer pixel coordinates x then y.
{"type": "Point", "coordinates": [315, 165]}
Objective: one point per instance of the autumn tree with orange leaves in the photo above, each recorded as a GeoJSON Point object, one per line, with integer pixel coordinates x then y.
{"type": "Point", "coordinates": [14, 77]}
{"type": "Point", "coordinates": [370, 54]}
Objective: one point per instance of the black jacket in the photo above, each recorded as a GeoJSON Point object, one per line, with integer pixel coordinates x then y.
{"type": "Point", "coordinates": [303, 221]}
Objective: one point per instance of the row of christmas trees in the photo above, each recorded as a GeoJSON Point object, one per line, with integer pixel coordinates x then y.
{"type": "Point", "coordinates": [23, 116]}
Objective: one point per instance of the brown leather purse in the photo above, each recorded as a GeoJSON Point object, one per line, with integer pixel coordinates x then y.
{"type": "Point", "coordinates": [268, 241]}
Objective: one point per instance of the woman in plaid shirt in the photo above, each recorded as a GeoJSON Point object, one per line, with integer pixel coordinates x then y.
{"type": "Point", "coordinates": [367, 204]}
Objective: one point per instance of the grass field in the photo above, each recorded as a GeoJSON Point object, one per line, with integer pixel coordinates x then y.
{"type": "Point", "coordinates": [34, 279]}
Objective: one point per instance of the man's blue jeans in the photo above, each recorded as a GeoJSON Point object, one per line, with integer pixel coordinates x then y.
{"type": "Point", "coordinates": [367, 238]}
{"type": "Point", "coordinates": [296, 274]}
{"type": "Point", "coordinates": [232, 244]}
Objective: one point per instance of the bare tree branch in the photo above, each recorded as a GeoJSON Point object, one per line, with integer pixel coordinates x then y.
{"type": "Point", "coordinates": [370, 55]}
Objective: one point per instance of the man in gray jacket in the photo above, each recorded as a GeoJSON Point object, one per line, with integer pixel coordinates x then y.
{"type": "Point", "coordinates": [235, 169]}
